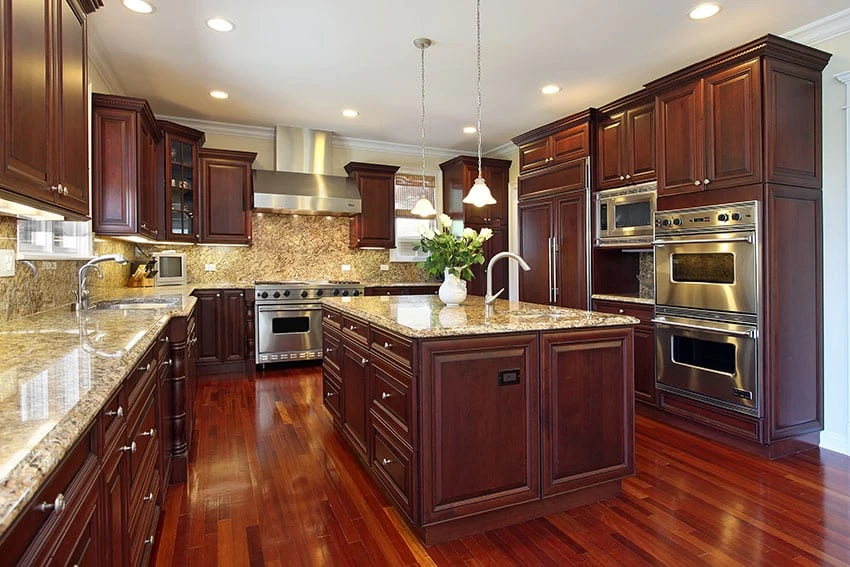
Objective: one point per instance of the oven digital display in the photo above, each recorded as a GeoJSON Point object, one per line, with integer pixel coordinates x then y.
{"type": "Point", "coordinates": [708, 355]}
{"type": "Point", "coordinates": [711, 267]}
{"type": "Point", "coordinates": [281, 325]}
{"type": "Point", "coordinates": [633, 214]}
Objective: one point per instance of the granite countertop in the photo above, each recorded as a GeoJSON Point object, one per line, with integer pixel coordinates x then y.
{"type": "Point", "coordinates": [59, 369]}
{"type": "Point", "coordinates": [423, 316]}
{"type": "Point", "coordinates": [626, 297]}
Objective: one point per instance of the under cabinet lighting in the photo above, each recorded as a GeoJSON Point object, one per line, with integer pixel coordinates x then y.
{"type": "Point", "coordinates": [703, 11]}
{"type": "Point", "coordinates": [221, 95]}
{"type": "Point", "coordinates": [220, 24]}
{"type": "Point", "coordinates": [139, 6]}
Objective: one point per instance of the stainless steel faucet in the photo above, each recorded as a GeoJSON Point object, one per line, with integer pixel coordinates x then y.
{"type": "Point", "coordinates": [490, 298]}
{"type": "Point", "coordinates": [82, 294]}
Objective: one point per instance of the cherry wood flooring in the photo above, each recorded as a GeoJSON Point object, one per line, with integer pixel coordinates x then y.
{"type": "Point", "coordinates": [272, 483]}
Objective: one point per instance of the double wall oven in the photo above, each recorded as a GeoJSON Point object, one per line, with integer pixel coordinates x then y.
{"type": "Point", "coordinates": [707, 304]}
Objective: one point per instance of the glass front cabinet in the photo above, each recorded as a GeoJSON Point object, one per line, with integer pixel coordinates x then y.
{"type": "Point", "coordinates": [178, 155]}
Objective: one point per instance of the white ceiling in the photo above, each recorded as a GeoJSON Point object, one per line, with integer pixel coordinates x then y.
{"type": "Point", "coordinates": [301, 62]}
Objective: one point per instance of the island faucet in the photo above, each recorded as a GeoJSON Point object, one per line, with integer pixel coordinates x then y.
{"type": "Point", "coordinates": [82, 294]}
{"type": "Point", "coordinates": [490, 298]}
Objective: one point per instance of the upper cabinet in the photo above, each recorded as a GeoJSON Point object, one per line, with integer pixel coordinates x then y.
{"type": "Point", "coordinates": [124, 188]}
{"type": "Point", "coordinates": [553, 144]}
{"type": "Point", "coordinates": [177, 156]}
{"type": "Point", "coordinates": [374, 227]}
{"type": "Point", "coordinates": [227, 195]}
{"type": "Point", "coordinates": [44, 86]}
{"type": "Point", "coordinates": [458, 177]}
{"type": "Point", "coordinates": [749, 115]}
{"type": "Point", "coordinates": [625, 144]}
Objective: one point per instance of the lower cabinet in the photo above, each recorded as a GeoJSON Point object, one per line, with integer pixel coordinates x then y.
{"type": "Point", "coordinates": [224, 319]}
{"type": "Point", "coordinates": [418, 289]}
{"type": "Point", "coordinates": [355, 390]}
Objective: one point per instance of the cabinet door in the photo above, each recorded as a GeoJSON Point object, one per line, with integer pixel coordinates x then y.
{"type": "Point", "coordinates": [497, 179]}
{"type": "Point", "coordinates": [534, 155]}
{"type": "Point", "coordinates": [645, 363]}
{"type": "Point", "coordinates": [114, 174]}
{"type": "Point", "coordinates": [640, 144]}
{"type": "Point", "coordinates": [148, 224]}
{"type": "Point", "coordinates": [610, 142]}
{"type": "Point", "coordinates": [587, 425]}
{"type": "Point", "coordinates": [535, 246]}
{"type": "Point", "coordinates": [81, 544]}
{"type": "Point", "coordinates": [208, 317]}
{"type": "Point", "coordinates": [377, 221]}
{"type": "Point", "coordinates": [73, 162]}
{"type": "Point", "coordinates": [571, 270]}
{"type": "Point", "coordinates": [497, 243]}
{"type": "Point", "coordinates": [733, 126]}
{"type": "Point", "coordinates": [680, 140]}
{"type": "Point", "coordinates": [572, 143]}
{"type": "Point", "coordinates": [355, 397]}
{"type": "Point", "coordinates": [233, 325]}
{"type": "Point", "coordinates": [115, 515]}
{"type": "Point", "coordinates": [26, 145]}
{"type": "Point", "coordinates": [226, 198]}
{"type": "Point", "coordinates": [181, 188]}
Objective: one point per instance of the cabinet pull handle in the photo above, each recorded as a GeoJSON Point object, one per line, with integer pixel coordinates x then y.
{"type": "Point", "coordinates": [622, 178]}
{"type": "Point", "coordinates": [164, 339]}
{"type": "Point", "coordinates": [328, 350]}
{"type": "Point", "coordinates": [146, 367]}
{"type": "Point", "coordinates": [364, 361]}
{"type": "Point", "coordinates": [119, 413]}
{"type": "Point", "coordinates": [218, 295]}
{"type": "Point", "coordinates": [706, 181]}
{"type": "Point", "coordinates": [385, 462]}
{"type": "Point", "coordinates": [149, 541]}
{"type": "Point", "coordinates": [388, 345]}
{"type": "Point", "coordinates": [64, 190]}
{"type": "Point", "coordinates": [194, 340]}
{"type": "Point", "coordinates": [628, 176]}
{"type": "Point", "coordinates": [131, 448]}
{"type": "Point", "coordinates": [352, 327]}
{"type": "Point", "coordinates": [148, 498]}
{"type": "Point", "coordinates": [151, 433]}
{"type": "Point", "coordinates": [54, 188]}
{"type": "Point", "coordinates": [165, 363]}
{"type": "Point", "coordinates": [620, 311]}
{"type": "Point", "coordinates": [385, 395]}
{"type": "Point", "coordinates": [57, 505]}
{"type": "Point", "coordinates": [697, 182]}
{"type": "Point", "coordinates": [329, 395]}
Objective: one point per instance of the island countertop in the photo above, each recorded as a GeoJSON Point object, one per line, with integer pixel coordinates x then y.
{"type": "Point", "coordinates": [425, 316]}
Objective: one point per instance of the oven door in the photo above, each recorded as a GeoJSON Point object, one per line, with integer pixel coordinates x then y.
{"type": "Point", "coordinates": [711, 361]}
{"type": "Point", "coordinates": [288, 332]}
{"type": "Point", "coordinates": [717, 271]}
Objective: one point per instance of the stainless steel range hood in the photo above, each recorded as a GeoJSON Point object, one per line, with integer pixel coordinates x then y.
{"type": "Point", "coordinates": [300, 184]}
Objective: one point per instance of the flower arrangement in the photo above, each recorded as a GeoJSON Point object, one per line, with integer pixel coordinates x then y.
{"type": "Point", "coordinates": [448, 250]}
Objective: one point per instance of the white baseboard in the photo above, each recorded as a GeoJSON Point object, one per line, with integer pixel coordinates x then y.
{"type": "Point", "coordinates": [835, 442]}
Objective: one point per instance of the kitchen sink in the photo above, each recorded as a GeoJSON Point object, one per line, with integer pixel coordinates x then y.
{"type": "Point", "coordinates": [162, 302]}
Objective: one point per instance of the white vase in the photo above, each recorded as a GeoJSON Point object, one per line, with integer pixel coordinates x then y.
{"type": "Point", "coordinates": [453, 289]}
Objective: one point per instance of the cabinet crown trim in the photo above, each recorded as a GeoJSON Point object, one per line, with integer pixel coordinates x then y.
{"type": "Point", "coordinates": [485, 162]}
{"type": "Point", "coordinates": [360, 167]}
{"type": "Point", "coordinates": [586, 115]}
{"type": "Point", "coordinates": [132, 104]}
{"type": "Point", "coordinates": [180, 130]}
{"type": "Point", "coordinates": [216, 153]}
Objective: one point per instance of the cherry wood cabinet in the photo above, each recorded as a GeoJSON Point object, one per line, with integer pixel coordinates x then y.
{"type": "Point", "coordinates": [227, 196]}
{"type": "Point", "coordinates": [222, 331]}
{"type": "Point", "coordinates": [497, 243]}
{"type": "Point", "coordinates": [177, 181]}
{"type": "Point", "coordinates": [420, 289]}
{"type": "Point", "coordinates": [374, 227]}
{"type": "Point", "coordinates": [554, 143]}
{"type": "Point", "coordinates": [124, 134]}
{"type": "Point", "coordinates": [458, 177]}
{"type": "Point", "coordinates": [44, 103]}
{"type": "Point", "coordinates": [625, 144]}
{"type": "Point", "coordinates": [178, 395]}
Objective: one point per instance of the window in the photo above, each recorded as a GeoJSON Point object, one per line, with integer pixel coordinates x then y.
{"type": "Point", "coordinates": [57, 240]}
{"type": "Point", "coordinates": [408, 190]}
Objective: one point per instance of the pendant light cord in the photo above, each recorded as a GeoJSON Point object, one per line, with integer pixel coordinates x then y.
{"type": "Point", "coordinates": [478, 58]}
{"type": "Point", "coordinates": [422, 126]}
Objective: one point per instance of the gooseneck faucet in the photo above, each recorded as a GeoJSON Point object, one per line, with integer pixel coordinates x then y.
{"type": "Point", "coordinates": [490, 298]}
{"type": "Point", "coordinates": [82, 294]}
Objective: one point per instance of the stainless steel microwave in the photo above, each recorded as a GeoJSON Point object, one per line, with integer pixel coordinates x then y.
{"type": "Point", "coordinates": [625, 216]}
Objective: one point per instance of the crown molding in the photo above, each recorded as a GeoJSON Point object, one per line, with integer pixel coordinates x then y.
{"type": "Point", "coordinates": [508, 150]}
{"type": "Point", "coordinates": [225, 128]}
{"type": "Point", "coordinates": [821, 30]}
{"type": "Point", "coordinates": [97, 58]}
{"type": "Point", "coordinates": [390, 147]}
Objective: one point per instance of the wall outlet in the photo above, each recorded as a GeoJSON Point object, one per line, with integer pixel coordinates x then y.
{"type": "Point", "coordinates": [48, 265]}
{"type": "Point", "coordinates": [209, 267]}
{"type": "Point", "coordinates": [345, 267]}
{"type": "Point", "coordinates": [385, 267]}
{"type": "Point", "coordinates": [7, 263]}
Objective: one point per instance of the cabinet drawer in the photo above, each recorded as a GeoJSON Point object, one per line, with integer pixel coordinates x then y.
{"type": "Point", "coordinates": [392, 466]}
{"type": "Point", "coordinates": [332, 318]}
{"type": "Point", "coordinates": [113, 417]}
{"type": "Point", "coordinates": [355, 328]}
{"type": "Point", "coordinates": [392, 399]}
{"type": "Point", "coordinates": [139, 379]}
{"type": "Point", "coordinates": [142, 510]}
{"type": "Point", "coordinates": [330, 348]}
{"type": "Point", "coordinates": [395, 348]}
{"type": "Point", "coordinates": [331, 396]}
{"type": "Point", "coordinates": [145, 435]}
{"type": "Point", "coordinates": [638, 310]}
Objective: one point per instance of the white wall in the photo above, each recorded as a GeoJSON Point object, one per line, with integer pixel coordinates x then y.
{"type": "Point", "coordinates": [836, 435]}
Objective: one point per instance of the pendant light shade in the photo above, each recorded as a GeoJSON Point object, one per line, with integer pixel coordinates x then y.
{"type": "Point", "coordinates": [479, 194]}
{"type": "Point", "coordinates": [423, 207]}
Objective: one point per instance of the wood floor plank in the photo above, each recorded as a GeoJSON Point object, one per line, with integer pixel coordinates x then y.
{"type": "Point", "coordinates": [271, 483]}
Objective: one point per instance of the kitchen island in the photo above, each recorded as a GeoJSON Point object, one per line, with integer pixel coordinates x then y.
{"type": "Point", "coordinates": [471, 419]}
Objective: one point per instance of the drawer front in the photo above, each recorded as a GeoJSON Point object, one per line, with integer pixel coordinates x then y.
{"type": "Point", "coordinates": [332, 318]}
{"type": "Point", "coordinates": [392, 398]}
{"type": "Point", "coordinates": [331, 397]}
{"type": "Point", "coordinates": [142, 510]}
{"type": "Point", "coordinates": [139, 378]}
{"type": "Point", "coordinates": [392, 465]}
{"type": "Point", "coordinates": [393, 347]}
{"type": "Point", "coordinates": [114, 417]}
{"type": "Point", "coordinates": [355, 328]}
{"type": "Point", "coordinates": [146, 437]}
{"type": "Point", "coordinates": [642, 312]}
{"type": "Point", "coordinates": [330, 347]}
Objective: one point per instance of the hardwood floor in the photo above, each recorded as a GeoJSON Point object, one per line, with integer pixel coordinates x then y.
{"type": "Point", "coordinates": [271, 483]}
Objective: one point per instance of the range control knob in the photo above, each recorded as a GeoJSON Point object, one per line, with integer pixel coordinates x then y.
{"type": "Point", "coordinates": [336, 292]}
{"type": "Point", "coordinates": [319, 293]}
{"type": "Point", "coordinates": [264, 295]}
{"type": "Point", "coordinates": [276, 294]}
{"type": "Point", "coordinates": [677, 221]}
{"type": "Point", "coordinates": [665, 222]}
{"type": "Point", "coordinates": [722, 217]}
{"type": "Point", "coordinates": [736, 216]}
{"type": "Point", "coordinates": [304, 293]}
{"type": "Point", "coordinates": [345, 292]}
{"type": "Point", "coordinates": [286, 293]}
{"type": "Point", "coordinates": [356, 292]}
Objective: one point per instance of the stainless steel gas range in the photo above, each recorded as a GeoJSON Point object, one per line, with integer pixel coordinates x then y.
{"type": "Point", "coordinates": [288, 317]}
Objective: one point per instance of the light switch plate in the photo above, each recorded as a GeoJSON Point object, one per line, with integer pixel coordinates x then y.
{"type": "Point", "coordinates": [7, 263]}
{"type": "Point", "coordinates": [345, 267]}
{"type": "Point", "coordinates": [385, 267]}
{"type": "Point", "coordinates": [209, 267]}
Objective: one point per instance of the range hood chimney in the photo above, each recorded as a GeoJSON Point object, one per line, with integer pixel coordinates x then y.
{"type": "Point", "coordinates": [301, 183]}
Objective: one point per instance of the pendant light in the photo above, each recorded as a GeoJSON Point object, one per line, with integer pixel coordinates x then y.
{"type": "Point", "coordinates": [479, 195]}
{"type": "Point", "coordinates": [423, 207]}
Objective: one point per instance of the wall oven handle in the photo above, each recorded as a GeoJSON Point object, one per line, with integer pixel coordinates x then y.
{"type": "Point", "coordinates": [549, 260]}
{"type": "Point", "coordinates": [748, 239]}
{"type": "Point", "coordinates": [555, 270]}
{"type": "Point", "coordinates": [751, 333]}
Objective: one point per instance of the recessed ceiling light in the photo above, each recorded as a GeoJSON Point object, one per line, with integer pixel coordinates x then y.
{"type": "Point", "coordinates": [350, 113]}
{"type": "Point", "coordinates": [138, 6]}
{"type": "Point", "coordinates": [550, 89]}
{"type": "Point", "coordinates": [469, 130]}
{"type": "Point", "coordinates": [219, 95]}
{"type": "Point", "coordinates": [703, 11]}
{"type": "Point", "coordinates": [220, 24]}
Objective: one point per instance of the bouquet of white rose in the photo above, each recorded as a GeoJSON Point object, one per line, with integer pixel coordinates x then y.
{"type": "Point", "coordinates": [448, 250]}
